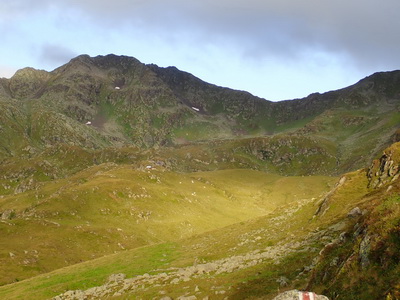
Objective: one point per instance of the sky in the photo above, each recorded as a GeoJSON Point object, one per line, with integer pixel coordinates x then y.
{"type": "Point", "coordinates": [274, 49]}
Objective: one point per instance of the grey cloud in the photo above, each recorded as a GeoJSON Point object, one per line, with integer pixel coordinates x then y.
{"type": "Point", "coordinates": [368, 31]}
{"type": "Point", "coordinates": [18, 8]}
{"type": "Point", "coordinates": [365, 31]}
{"type": "Point", "coordinates": [55, 55]}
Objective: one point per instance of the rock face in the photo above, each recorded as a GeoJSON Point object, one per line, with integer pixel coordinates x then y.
{"type": "Point", "coordinates": [384, 170]}
{"type": "Point", "coordinates": [299, 295]}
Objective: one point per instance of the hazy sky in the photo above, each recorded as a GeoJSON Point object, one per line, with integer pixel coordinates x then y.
{"type": "Point", "coordinates": [276, 49]}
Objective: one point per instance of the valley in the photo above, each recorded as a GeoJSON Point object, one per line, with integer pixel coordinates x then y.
{"type": "Point", "coordinates": [120, 180]}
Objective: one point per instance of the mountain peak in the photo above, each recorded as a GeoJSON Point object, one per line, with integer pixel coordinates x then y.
{"type": "Point", "coordinates": [29, 72]}
{"type": "Point", "coordinates": [27, 81]}
{"type": "Point", "coordinates": [87, 64]}
{"type": "Point", "coordinates": [114, 60]}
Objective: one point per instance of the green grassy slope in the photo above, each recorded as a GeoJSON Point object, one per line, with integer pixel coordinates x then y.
{"type": "Point", "coordinates": [111, 207]}
{"type": "Point", "coordinates": [268, 232]}
{"type": "Point", "coordinates": [318, 238]}
{"type": "Point", "coordinates": [290, 234]}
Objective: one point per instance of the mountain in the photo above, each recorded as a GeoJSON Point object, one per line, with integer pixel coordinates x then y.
{"type": "Point", "coordinates": [130, 103]}
{"type": "Point", "coordinates": [109, 165]}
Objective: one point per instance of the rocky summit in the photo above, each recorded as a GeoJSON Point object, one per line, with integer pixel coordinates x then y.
{"type": "Point", "coordinates": [121, 180]}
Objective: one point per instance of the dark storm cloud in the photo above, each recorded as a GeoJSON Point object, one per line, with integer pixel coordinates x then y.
{"type": "Point", "coordinates": [367, 32]}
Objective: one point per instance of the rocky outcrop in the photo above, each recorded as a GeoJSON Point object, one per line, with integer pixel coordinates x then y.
{"type": "Point", "coordinates": [8, 214]}
{"type": "Point", "coordinates": [366, 253]}
{"type": "Point", "coordinates": [384, 170]}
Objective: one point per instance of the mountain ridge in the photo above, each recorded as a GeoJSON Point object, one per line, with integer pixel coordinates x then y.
{"type": "Point", "coordinates": [130, 103]}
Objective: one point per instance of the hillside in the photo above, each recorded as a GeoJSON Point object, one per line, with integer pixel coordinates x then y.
{"type": "Point", "coordinates": [109, 165]}
{"type": "Point", "coordinates": [110, 208]}
{"type": "Point", "coordinates": [340, 244]}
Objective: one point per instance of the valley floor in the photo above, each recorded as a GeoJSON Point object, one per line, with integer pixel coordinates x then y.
{"type": "Point", "coordinates": [276, 249]}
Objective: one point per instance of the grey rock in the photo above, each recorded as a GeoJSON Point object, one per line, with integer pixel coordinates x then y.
{"type": "Point", "coordinates": [283, 281]}
{"type": "Point", "coordinates": [343, 237]}
{"type": "Point", "coordinates": [334, 262]}
{"type": "Point", "coordinates": [7, 214]}
{"type": "Point", "coordinates": [355, 212]}
{"type": "Point", "coordinates": [116, 277]}
{"type": "Point", "coordinates": [175, 281]}
{"type": "Point", "coordinates": [365, 247]}
{"type": "Point", "coordinates": [358, 230]}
